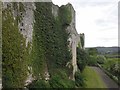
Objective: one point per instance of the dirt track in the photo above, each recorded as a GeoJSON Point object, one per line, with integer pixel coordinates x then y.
{"type": "Point", "coordinates": [107, 80]}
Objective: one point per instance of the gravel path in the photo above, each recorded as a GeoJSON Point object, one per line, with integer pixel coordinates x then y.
{"type": "Point", "coordinates": [108, 81]}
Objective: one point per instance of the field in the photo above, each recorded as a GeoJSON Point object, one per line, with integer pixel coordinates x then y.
{"type": "Point", "coordinates": [93, 79]}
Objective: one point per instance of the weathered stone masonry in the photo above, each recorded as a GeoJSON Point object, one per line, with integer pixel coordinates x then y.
{"type": "Point", "coordinates": [26, 28]}
{"type": "Point", "coordinates": [74, 38]}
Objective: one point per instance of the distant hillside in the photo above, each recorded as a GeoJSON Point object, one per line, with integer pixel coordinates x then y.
{"type": "Point", "coordinates": [107, 50]}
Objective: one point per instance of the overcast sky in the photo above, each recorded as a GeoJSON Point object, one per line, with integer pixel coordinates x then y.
{"type": "Point", "coordinates": [98, 19]}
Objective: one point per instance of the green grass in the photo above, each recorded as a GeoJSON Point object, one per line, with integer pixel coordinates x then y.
{"type": "Point", "coordinates": [93, 80]}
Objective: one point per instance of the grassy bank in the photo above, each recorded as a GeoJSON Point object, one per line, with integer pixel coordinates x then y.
{"type": "Point", "coordinates": [110, 62]}
{"type": "Point", "coordinates": [93, 80]}
{"type": "Point", "coordinates": [112, 66]}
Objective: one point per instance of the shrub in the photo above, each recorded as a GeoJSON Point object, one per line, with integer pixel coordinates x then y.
{"type": "Point", "coordinates": [115, 69]}
{"type": "Point", "coordinates": [79, 79]}
{"type": "Point", "coordinates": [61, 80]}
{"type": "Point", "coordinates": [113, 66]}
{"type": "Point", "coordinates": [92, 51]}
{"type": "Point", "coordinates": [82, 58]}
{"type": "Point", "coordinates": [101, 59]}
{"type": "Point", "coordinates": [39, 84]}
{"type": "Point", "coordinates": [92, 61]}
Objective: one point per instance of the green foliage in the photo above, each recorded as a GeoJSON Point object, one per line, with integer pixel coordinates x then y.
{"type": "Point", "coordinates": [82, 58]}
{"type": "Point", "coordinates": [65, 15]}
{"type": "Point", "coordinates": [41, 38]}
{"type": "Point", "coordinates": [112, 65]}
{"type": "Point", "coordinates": [93, 58]}
{"type": "Point", "coordinates": [79, 45]}
{"type": "Point", "coordinates": [82, 41]}
{"type": "Point", "coordinates": [92, 51]}
{"type": "Point", "coordinates": [92, 61]}
{"type": "Point", "coordinates": [15, 53]}
{"type": "Point", "coordinates": [39, 84]}
{"type": "Point", "coordinates": [79, 79]}
{"type": "Point", "coordinates": [50, 46]}
{"type": "Point", "coordinates": [101, 59]}
{"type": "Point", "coordinates": [115, 69]}
{"type": "Point", "coordinates": [61, 80]}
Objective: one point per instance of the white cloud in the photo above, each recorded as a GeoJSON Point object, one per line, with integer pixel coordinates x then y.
{"type": "Point", "coordinates": [98, 19]}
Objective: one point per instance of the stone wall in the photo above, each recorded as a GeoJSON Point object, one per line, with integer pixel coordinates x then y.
{"type": "Point", "coordinates": [74, 39]}
{"type": "Point", "coordinates": [25, 26]}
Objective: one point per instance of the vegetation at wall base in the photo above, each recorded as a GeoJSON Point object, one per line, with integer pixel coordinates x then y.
{"type": "Point", "coordinates": [38, 84]}
{"type": "Point", "coordinates": [82, 58]}
{"type": "Point", "coordinates": [61, 80]}
{"type": "Point", "coordinates": [79, 79]}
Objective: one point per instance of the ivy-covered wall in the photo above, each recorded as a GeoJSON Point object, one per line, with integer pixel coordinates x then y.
{"type": "Point", "coordinates": [48, 55]}
{"type": "Point", "coordinates": [15, 54]}
{"type": "Point", "coordinates": [50, 46]}
{"type": "Point", "coordinates": [82, 39]}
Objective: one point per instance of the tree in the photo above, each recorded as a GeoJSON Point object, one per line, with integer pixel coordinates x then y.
{"type": "Point", "coordinates": [92, 51]}
{"type": "Point", "coordinates": [92, 60]}
{"type": "Point", "coordinates": [82, 58]}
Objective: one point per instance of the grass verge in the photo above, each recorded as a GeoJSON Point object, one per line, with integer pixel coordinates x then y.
{"type": "Point", "coordinates": [93, 79]}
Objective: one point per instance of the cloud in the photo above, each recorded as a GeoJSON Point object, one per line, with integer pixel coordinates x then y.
{"type": "Point", "coordinates": [98, 19]}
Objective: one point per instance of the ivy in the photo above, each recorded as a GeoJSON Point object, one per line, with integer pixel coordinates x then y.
{"type": "Point", "coordinates": [82, 41]}
{"type": "Point", "coordinates": [82, 58]}
{"type": "Point", "coordinates": [50, 39]}
{"type": "Point", "coordinates": [49, 46]}
{"type": "Point", "coordinates": [15, 54]}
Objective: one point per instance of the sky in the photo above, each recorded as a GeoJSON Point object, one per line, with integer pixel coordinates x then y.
{"type": "Point", "coordinates": [97, 19]}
